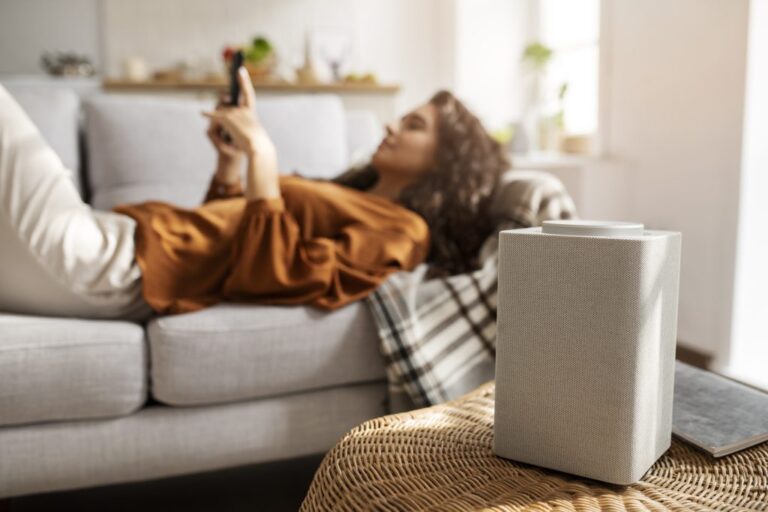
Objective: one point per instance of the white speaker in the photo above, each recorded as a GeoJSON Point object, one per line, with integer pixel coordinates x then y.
{"type": "Point", "coordinates": [587, 327]}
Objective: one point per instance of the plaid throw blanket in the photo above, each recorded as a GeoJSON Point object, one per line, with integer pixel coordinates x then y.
{"type": "Point", "coordinates": [438, 335]}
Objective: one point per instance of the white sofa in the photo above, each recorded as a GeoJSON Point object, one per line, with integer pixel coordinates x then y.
{"type": "Point", "coordinates": [90, 402]}
{"type": "Point", "coordinates": [85, 402]}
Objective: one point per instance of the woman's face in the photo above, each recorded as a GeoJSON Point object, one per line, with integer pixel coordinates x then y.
{"type": "Point", "coordinates": [410, 144]}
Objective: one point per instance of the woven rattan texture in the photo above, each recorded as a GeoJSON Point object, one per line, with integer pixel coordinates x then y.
{"type": "Point", "coordinates": [440, 458]}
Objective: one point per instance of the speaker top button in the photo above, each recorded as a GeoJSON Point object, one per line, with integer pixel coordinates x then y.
{"type": "Point", "coordinates": [592, 228]}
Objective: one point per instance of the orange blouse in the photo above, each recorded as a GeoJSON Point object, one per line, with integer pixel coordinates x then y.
{"type": "Point", "coordinates": [320, 243]}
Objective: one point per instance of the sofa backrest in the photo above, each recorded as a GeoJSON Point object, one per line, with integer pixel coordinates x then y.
{"type": "Point", "coordinates": [155, 148]}
{"type": "Point", "coordinates": [364, 133]}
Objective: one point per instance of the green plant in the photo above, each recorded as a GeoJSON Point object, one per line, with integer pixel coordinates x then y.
{"type": "Point", "coordinates": [537, 56]}
{"type": "Point", "coordinates": [504, 135]}
{"type": "Point", "coordinates": [559, 117]}
{"type": "Point", "coordinates": [259, 50]}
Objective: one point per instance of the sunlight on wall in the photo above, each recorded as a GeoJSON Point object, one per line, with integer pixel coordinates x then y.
{"type": "Point", "coordinates": [490, 36]}
{"type": "Point", "coordinates": [571, 29]}
{"type": "Point", "coordinates": [749, 339]}
{"type": "Point", "coordinates": [400, 41]}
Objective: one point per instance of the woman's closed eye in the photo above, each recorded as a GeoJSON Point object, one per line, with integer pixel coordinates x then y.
{"type": "Point", "coordinates": [413, 122]}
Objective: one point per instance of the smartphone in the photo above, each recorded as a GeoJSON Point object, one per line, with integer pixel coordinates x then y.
{"type": "Point", "coordinates": [234, 83]}
{"type": "Point", "coordinates": [234, 87]}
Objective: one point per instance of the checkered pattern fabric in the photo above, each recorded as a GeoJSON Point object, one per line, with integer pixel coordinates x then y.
{"type": "Point", "coordinates": [438, 335]}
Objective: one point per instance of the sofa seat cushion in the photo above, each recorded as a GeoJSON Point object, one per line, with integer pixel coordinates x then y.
{"type": "Point", "coordinates": [63, 368]}
{"type": "Point", "coordinates": [237, 351]}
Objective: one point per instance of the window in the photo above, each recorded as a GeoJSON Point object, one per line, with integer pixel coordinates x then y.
{"type": "Point", "coordinates": [571, 30]}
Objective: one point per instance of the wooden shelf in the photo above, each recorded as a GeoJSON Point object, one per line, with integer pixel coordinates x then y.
{"type": "Point", "coordinates": [203, 85]}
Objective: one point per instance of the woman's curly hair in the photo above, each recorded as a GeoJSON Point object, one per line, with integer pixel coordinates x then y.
{"type": "Point", "coordinates": [455, 200]}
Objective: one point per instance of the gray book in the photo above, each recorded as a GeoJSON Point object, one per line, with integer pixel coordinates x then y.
{"type": "Point", "coordinates": [717, 414]}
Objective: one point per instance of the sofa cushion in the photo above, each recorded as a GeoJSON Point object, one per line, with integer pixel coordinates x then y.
{"type": "Point", "coordinates": [56, 113]}
{"type": "Point", "coordinates": [236, 352]}
{"type": "Point", "coordinates": [155, 148]}
{"type": "Point", "coordinates": [162, 441]}
{"type": "Point", "coordinates": [61, 368]}
{"type": "Point", "coordinates": [309, 132]}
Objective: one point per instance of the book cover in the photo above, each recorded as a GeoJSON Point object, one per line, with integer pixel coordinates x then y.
{"type": "Point", "coordinates": [717, 414]}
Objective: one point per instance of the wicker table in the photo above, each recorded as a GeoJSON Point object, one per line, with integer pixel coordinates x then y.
{"type": "Point", "coordinates": [440, 458]}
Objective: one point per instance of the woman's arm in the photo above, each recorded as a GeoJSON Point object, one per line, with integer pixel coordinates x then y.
{"type": "Point", "coordinates": [221, 189]}
{"type": "Point", "coordinates": [225, 182]}
{"type": "Point", "coordinates": [228, 170]}
{"type": "Point", "coordinates": [271, 261]}
{"type": "Point", "coordinates": [261, 174]}
{"type": "Point", "coordinates": [250, 139]}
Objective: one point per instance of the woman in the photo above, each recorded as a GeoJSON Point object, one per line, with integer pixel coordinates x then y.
{"type": "Point", "coordinates": [280, 239]}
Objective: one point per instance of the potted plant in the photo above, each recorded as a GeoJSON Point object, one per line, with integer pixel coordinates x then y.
{"type": "Point", "coordinates": [543, 123]}
{"type": "Point", "coordinates": [260, 58]}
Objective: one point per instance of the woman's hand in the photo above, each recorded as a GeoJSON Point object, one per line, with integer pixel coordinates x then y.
{"type": "Point", "coordinates": [229, 158]}
{"type": "Point", "coordinates": [248, 137]}
{"type": "Point", "coordinates": [240, 122]}
{"type": "Point", "coordinates": [224, 148]}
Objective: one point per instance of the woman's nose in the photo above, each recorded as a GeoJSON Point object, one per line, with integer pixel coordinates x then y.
{"type": "Point", "coordinates": [390, 129]}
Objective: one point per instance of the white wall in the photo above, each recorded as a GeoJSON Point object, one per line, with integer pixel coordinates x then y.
{"type": "Point", "coordinates": [470, 46]}
{"type": "Point", "coordinates": [30, 27]}
{"type": "Point", "coordinates": [748, 355]}
{"type": "Point", "coordinates": [672, 105]}
{"type": "Point", "coordinates": [401, 41]}
{"type": "Point", "coordinates": [404, 42]}
{"type": "Point", "coordinates": [489, 41]}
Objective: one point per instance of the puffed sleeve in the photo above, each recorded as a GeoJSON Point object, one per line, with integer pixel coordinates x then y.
{"type": "Point", "coordinates": [272, 261]}
{"type": "Point", "coordinates": [221, 190]}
